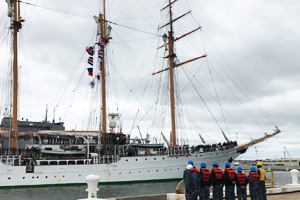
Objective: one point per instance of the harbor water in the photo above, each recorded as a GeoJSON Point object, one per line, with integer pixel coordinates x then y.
{"type": "Point", "coordinates": [106, 191]}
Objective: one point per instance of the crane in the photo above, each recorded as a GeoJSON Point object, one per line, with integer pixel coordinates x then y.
{"type": "Point", "coordinates": [286, 152]}
{"type": "Point", "coordinates": [140, 135]}
{"type": "Point", "coordinates": [165, 139]}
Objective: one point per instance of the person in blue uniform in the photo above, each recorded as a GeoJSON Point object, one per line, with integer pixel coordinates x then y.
{"type": "Point", "coordinates": [229, 181]}
{"type": "Point", "coordinates": [217, 181]}
{"type": "Point", "coordinates": [241, 184]}
{"type": "Point", "coordinates": [253, 179]}
{"type": "Point", "coordinates": [191, 185]}
{"type": "Point", "coordinates": [204, 182]}
{"type": "Point", "coordinates": [190, 162]}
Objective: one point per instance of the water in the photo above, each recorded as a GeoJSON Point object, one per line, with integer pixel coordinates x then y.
{"type": "Point", "coordinates": [106, 191]}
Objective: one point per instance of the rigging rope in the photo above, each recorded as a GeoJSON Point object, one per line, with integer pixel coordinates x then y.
{"type": "Point", "coordinates": [133, 124]}
{"type": "Point", "coordinates": [131, 28]}
{"type": "Point", "coordinates": [203, 101]}
{"type": "Point", "coordinates": [4, 39]}
{"type": "Point", "coordinates": [90, 11]}
{"type": "Point", "coordinates": [61, 11]}
{"type": "Point", "coordinates": [247, 96]}
{"type": "Point", "coordinates": [88, 17]}
{"type": "Point", "coordinates": [218, 100]}
{"type": "Point", "coordinates": [240, 102]}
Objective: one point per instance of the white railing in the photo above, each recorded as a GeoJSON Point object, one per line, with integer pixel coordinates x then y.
{"type": "Point", "coordinates": [11, 159]}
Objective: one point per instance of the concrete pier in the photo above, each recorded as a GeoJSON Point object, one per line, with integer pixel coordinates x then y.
{"type": "Point", "coordinates": [286, 192]}
{"type": "Point", "coordinates": [286, 196]}
{"type": "Point", "coordinates": [279, 196]}
{"type": "Point", "coordinates": [282, 192]}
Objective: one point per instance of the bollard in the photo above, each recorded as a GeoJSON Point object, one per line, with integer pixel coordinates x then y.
{"type": "Point", "coordinates": [294, 173]}
{"type": "Point", "coordinates": [92, 182]}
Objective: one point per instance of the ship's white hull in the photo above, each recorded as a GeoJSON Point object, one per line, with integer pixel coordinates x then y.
{"type": "Point", "coordinates": [127, 169]}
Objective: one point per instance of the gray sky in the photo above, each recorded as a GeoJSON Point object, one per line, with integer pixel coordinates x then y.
{"type": "Point", "coordinates": [256, 40]}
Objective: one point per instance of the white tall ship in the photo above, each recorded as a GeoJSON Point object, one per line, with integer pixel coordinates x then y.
{"type": "Point", "coordinates": [67, 157]}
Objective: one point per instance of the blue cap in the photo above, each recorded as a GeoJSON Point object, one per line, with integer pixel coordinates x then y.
{"type": "Point", "coordinates": [239, 169]}
{"type": "Point", "coordinates": [203, 164]}
{"type": "Point", "coordinates": [252, 169]}
{"type": "Point", "coordinates": [227, 164]}
{"type": "Point", "coordinates": [190, 162]}
{"type": "Point", "coordinates": [215, 164]}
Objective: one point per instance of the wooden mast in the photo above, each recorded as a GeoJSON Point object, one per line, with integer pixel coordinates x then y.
{"type": "Point", "coordinates": [16, 26]}
{"type": "Point", "coordinates": [171, 63]}
{"type": "Point", "coordinates": [106, 39]}
{"type": "Point", "coordinates": [103, 88]}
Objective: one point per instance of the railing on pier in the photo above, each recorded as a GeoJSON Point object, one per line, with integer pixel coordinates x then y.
{"type": "Point", "coordinates": [180, 191]}
{"type": "Point", "coordinates": [267, 180]}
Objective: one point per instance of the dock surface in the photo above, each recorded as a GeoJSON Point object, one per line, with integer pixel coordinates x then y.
{"type": "Point", "coordinates": [286, 196]}
{"type": "Point", "coordinates": [282, 196]}
{"type": "Point", "coordinates": [279, 196]}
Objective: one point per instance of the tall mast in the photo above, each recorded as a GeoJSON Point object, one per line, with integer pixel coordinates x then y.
{"type": "Point", "coordinates": [16, 26]}
{"type": "Point", "coordinates": [103, 88]}
{"type": "Point", "coordinates": [171, 62]}
{"type": "Point", "coordinates": [102, 23]}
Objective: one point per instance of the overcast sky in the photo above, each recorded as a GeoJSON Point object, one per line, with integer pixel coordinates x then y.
{"type": "Point", "coordinates": [256, 40]}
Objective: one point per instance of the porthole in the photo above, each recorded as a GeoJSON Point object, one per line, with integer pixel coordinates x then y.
{"type": "Point", "coordinates": [129, 172]}
{"type": "Point", "coordinates": [33, 177]}
{"type": "Point", "coordinates": [176, 157]}
{"type": "Point", "coordinates": [79, 175]}
{"type": "Point", "coordinates": [8, 178]}
{"type": "Point", "coordinates": [54, 176]}
{"type": "Point", "coordinates": [156, 170]}
{"type": "Point", "coordinates": [148, 171]}
{"type": "Point", "coordinates": [46, 176]}
{"type": "Point", "coordinates": [170, 169]}
{"type": "Point", "coordinates": [63, 176]}
{"type": "Point", "coordinates": [37, 177]}
{"type": "Point", "coordinates": [23, 177]}
{"type": "Point", "coordinates": [139, 171]}
{"type": "Point", "coordinates": [165, 169]}
{"type": "Point", "coordinates": [154, 158]}
{"type": "Point", "coordinates": [135, 159]}
{"type": "Point", "coordinates": [126, 160]}
{"type": "Point", "coordinates": [200, 155]}
{"type": "Point", "coordinates": [178, 168]}
{"type": "Point", "coordinates": [120, 173]}
{"type": "Point", "coordinates": [145, 158]}
{"type": "Point", "coordinates": [163, 158]}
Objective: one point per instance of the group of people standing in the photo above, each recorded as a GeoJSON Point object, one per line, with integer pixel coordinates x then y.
{"type": "Point", "coordinates": [198, 182]}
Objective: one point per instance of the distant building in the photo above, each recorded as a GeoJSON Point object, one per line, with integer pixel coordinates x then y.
{"type": "Point", "coordinates": [282, 164]}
